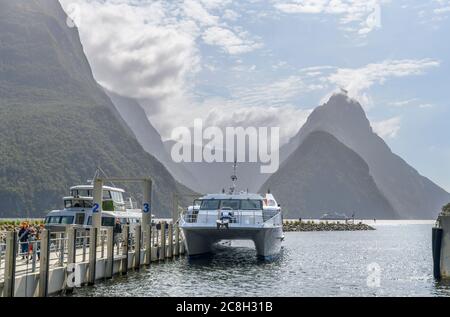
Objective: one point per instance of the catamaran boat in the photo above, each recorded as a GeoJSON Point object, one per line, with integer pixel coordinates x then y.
{"type": "Point", "coordinates": [216, 218]}
{"type": "Point", "coordinates": [78, 209]}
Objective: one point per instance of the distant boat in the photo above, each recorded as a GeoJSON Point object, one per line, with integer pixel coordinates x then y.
{"type": "Point", "coordinates": [334, 216]}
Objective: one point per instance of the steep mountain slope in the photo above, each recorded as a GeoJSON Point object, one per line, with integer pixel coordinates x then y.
{"type": "Point", "coordinates": [136, 119]}
{"type": "Point", "coordinates": [410, 194]}
{"type": "Point", "coordinates": [56, 124]}
{"type": "Point", "coordinates": [323, 175]}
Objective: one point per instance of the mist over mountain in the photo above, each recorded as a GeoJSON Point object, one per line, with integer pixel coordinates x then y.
{"type": "Point", "coordinates": [136, 118]}
{"type": "Point", "coordinates": [56, 123]}
{"type": "Point", "coordinates": [411, 195]}
{"type": "Point", "coordinates": [323, 175]}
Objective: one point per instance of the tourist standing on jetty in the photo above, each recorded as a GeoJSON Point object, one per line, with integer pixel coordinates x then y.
{"type": "Point", "coordinates": [117, 232]}
{"type": "Point", "coordinates": [24, 234]}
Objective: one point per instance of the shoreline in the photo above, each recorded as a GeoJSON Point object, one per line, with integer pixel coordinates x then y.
{"type": "Point", "coordinates": [310, 225]}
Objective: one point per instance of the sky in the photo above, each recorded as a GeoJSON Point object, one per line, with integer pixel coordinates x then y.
{"type": "Point", "coordinates": [271, 62]}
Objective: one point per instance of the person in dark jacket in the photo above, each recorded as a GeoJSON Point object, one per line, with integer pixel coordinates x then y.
{"type": "Point", "coordinates": [117, 232]}
{"type": "Point", "coordinates": [24, 234]}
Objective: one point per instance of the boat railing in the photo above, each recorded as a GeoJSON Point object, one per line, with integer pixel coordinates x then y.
{"type": "Point", "coordinates": [239, 217]}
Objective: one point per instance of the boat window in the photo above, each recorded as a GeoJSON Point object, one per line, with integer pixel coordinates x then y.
{"type": "Point", "coordinates": [79, 219]}
{"type": "Point", "coordinates": [230, 203]}
{"type": "Point", "coordinates": [67, 220]}
{"type": "Point", "coordinates": [68, 203]}
{"type": "Point", "coordinates": [197, 203]}
{"type": "Point", "coordinates": [209, 204]}
{"type": "Point", "coordinates": [89, 223]}
{"type": "Point", "coordinates": [77, 204]}
{"type": "Point", "coordinates": [106, 194]}
{"type": "Point", "coordinates": [88, 204]}
{"type": "Point", "coordinates": [123, 221]}
{"type": "Point", "coordinates": [54, 219]}
{"type": "Point", "coordinates": [251, 204]}
{"type": "Point", "coordinates": [117, 197]}
{"type": "Point", "coordinates": [107, 221]}
{"type": "Point", "coordinates": [47, 219]}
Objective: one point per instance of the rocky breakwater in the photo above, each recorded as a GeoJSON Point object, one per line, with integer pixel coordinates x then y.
{"type": "Point", "coordinates": [291, 226]}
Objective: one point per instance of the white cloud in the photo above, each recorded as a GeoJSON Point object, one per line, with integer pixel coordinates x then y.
{"type": "Point", "coordinates": [229, 41]}
{"type": "Point", "coordinates": [358, 80]}
{"type": "Point", "coordinates": [363, 15]}
{"type": "Point", "coordinates": [402, 103]}
{"type": "Point", "coordinates": [387, 128]}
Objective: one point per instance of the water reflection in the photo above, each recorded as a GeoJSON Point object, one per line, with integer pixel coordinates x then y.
{"type": "Point", "coordinates": [311, 264]}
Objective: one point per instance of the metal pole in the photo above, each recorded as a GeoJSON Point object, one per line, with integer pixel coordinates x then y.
{"type": "Point", "coordinates": [137, 246]}
{"type": "Point", "coordinates": [10, 264]}
{"type": "Point", "coordinates": [124, 269]}
{"type": "Point", "coordinates": [92, 255]}
{"type": "Point", "coordinates": [44, 263]}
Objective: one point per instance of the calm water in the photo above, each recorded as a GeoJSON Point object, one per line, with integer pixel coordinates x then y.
{"type": "Point", "coordinates": [311, 264]}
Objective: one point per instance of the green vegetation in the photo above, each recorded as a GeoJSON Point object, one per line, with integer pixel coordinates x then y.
{"type": "Point", "coordinates": [446, 208]}
{"type": "Point", "coordinates": [56, 124]}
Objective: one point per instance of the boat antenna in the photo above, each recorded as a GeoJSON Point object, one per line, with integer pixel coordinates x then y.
{"type": "Point", "coordinates": [233, 178]}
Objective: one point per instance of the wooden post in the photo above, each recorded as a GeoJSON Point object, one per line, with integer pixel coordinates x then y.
{"type": "Point", "coordinates": [137, 246]}
{"type": "Point", "coordinates": [71, 259]}
{"type": "Point", "coordinates": [162, 250]}
{"type": "Point", "coordinates": [10, 264]}
{"type": "Point", "coordinates": [109, 253]}
{"type": "Point", "coordinates": [124, 265]}
{"type": "Point", "coordinates": [170, 246]}
{"type": "Point", "coordinates": [177, 240]}
{"type": "Point", "coordinates": [92, 255]}
{"type": "Point", "coordinates": [44, 263]}
{"type": "Point", "coordinates": [148, 244]}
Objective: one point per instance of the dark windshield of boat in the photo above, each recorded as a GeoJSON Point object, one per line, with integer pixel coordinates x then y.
{"type": "Point", "coordinates": [77, 203]}
{"type": "Point", "coordinates": [251, 204]}
{"type": "Point", "coordinates": [230, 204]}
{"type": "Point", "coordinates": [209, 204]}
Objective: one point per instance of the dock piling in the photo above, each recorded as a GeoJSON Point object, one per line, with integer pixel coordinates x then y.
{"type": "Point", "coordinates": [148, 244]}
{"type": "Point", "coordinates": [44, 263]}
{"type": "Point", "coordinates": [137, 247]}
{"type": "Point", "coordinates": [176, 251]}
{"type": "Point", "coordinates": [92, 255]}
{"type": "Point", "coordinates": [126, 237]}
{"type": "Point", "coordinates": [162, 245]}
{"type": "Point", "coordinates": [170, 242]}
{"type": "Point", "coordinates": [109, 253]}
{"type": "Point", "coordinates": [10, 264]}
{"type": "Point", "coordinates": [71, 257]}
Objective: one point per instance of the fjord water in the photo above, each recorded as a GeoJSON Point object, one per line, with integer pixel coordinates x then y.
{"type": "Point", "coordinates": [311, 264]}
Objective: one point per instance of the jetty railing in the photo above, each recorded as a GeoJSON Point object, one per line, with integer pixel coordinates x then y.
{"type": "Point", "coordinates": [2, 254]}
{"type": "Point", "coordinates": [62, 261]}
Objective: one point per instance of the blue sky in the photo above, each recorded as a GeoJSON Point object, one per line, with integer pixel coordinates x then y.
{"type": "Point", "coordinates": [271, 62]}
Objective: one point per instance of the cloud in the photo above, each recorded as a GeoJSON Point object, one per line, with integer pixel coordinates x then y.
{"type": "Point", "coordinates": [231, 42]}
{"type": "Point", "coordinates": [387, 129]}
{"type": "Point", "coordinates": [402, 103]}
{"type": "Point", "coordinates": [359, 16]}
{"type": "Point", "coordinates": [358, 80]}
